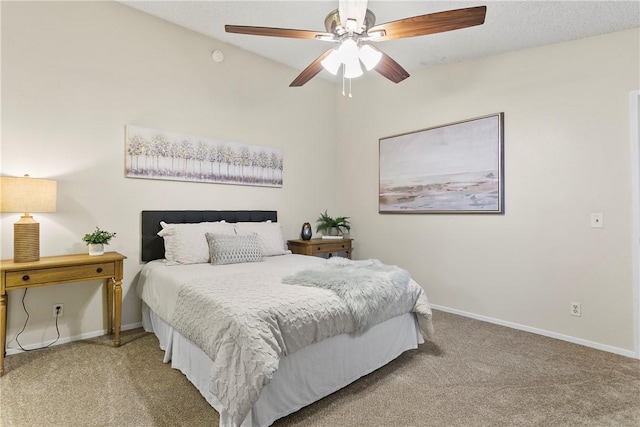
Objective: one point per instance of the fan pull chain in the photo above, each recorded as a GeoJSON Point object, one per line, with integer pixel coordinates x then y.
{"type": "Point", "coordinates": [343, 84]}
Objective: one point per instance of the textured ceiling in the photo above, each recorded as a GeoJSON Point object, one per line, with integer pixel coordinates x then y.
{"type": "Point", "coordinates": [509, 26]}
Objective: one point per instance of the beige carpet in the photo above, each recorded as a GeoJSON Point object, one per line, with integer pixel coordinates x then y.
{"type": "Point", "coordinates": [478, 374]}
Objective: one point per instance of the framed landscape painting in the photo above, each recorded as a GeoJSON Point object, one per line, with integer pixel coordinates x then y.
{"type": "Point", "coordinates": [453, 168]}
{"type": "Point", "coordinates": [158, 154]}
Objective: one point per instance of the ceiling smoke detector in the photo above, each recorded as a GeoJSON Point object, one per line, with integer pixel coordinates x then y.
{"type": "Point", "coordinates": [217, 56]}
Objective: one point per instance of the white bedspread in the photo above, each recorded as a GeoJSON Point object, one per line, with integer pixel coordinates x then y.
{"type": "Point", "coordinates": [245, 319]}
{"type": "Point", "coordinates": [159, 284]}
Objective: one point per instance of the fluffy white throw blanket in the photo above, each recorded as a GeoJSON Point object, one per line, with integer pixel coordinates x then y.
{"type": "Point", "coordinates": [367, 287]}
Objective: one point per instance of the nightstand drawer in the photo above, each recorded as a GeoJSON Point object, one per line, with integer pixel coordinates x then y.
{"type": "Point", "coordinates": [320, 246]}
{"type": "Point", "coordinates": [330, 247]}
{"type": "Point", "coordinates": [62, 274]}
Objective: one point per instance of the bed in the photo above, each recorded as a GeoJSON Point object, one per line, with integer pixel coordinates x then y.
{"type": "Point", "coordinates": [306, 343]}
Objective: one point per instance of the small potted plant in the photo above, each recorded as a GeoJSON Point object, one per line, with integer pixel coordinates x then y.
{"type": "Point", "coordinates": [332, 226]}
{"type": "Point", "coordinates": [97, 240]}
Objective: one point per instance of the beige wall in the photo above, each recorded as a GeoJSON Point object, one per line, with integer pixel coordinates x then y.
{"type": "Point", "coordinates": [566, 110]}
{"type": "Point", "coordinates": [75, 73]}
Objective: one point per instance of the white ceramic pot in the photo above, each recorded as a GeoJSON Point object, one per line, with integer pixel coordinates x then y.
{"type": "Point", "coordinates": [96, 249]}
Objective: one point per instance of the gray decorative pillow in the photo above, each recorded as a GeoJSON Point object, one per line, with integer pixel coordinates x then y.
{"type": "Point", "coordinates": [225, 249]}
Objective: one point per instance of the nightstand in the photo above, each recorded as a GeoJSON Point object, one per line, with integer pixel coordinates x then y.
{"type": "Point", "coordinates": [320, 246]}
{"type": "Point", "coordinates": [56, 270]}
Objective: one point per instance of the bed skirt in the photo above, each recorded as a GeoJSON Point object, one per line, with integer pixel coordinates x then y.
{"type": "Point", "coordinates": [326, 366]}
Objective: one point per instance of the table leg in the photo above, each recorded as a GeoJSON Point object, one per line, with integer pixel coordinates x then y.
{"type": "Point", "coordinates": [117, 299]}
{"type": "Point", "coordinates": [109, 283]}
{"type": "Point", "coordinates": [3, 330]}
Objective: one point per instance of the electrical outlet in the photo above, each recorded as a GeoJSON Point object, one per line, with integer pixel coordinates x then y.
{"type": "Point", "coordinates": [575, 309]}
{"type": "Point", "coordinates": [58, 310]}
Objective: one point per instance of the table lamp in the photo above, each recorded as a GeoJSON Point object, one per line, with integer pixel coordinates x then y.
{"type": "Point", "coordinates": [27, 195]}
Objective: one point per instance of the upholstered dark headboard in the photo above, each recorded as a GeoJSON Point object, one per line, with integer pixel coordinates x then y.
{"type": "Point", "coordinates": [153, 245]}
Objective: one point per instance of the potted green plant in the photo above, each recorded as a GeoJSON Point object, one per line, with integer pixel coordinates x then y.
{"type": "Point", "coordinates": [332, 226]}
{"type": "Point", "coordinates": [97, 240]}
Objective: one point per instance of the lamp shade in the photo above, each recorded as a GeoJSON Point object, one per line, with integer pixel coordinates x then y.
{"type": "Point", "coordinates": [27, 194]}
{"type": "Point", "coordinates": [332, 62]}
{"type": "Point", "coordinates": [352, 69]}
{"type": "Point", "coordinates": [370, 56]}
{"type": "Point", "coordinates": [348, 51]}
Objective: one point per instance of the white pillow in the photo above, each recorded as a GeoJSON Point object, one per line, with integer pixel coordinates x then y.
{"type": "Point", "coordinates": [234, 249]}
{"type": "Point", "coordinates": [187, 243]}
{"type": "Point", "coordinates": [269, 236]}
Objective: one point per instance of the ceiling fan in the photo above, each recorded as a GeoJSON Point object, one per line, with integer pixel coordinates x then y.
{"type": "Point", "coordinates": [352, 27]}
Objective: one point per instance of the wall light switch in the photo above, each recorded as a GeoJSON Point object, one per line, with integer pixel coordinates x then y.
{"type": "Point", "coordinates": [597, 220]}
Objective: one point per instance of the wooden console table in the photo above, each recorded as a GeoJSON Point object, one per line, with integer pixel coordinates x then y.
{"type": "Point", "coordinates": [320, 246]}
{"type": "Point", "coordinates": [56, 270]}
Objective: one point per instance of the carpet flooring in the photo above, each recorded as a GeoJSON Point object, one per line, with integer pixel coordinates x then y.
{"type": "Point", "coordinates": [476, 374]}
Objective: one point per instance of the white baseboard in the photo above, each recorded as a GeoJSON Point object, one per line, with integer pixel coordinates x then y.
{"type": "Point", "coordinates": [574, 340]}
{"type": "Point", "coordinates": [64, 340]}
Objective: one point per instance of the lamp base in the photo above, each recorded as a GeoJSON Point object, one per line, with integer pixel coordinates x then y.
{"type": "Point", "coordinates": [26, 240]}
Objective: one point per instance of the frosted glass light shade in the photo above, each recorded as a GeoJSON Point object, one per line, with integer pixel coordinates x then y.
{"type": "Point", "coordinates": [352, 69]}
{"type": "Point", "coordinates": [348, 50]}
{"type": "Point", "coordinates": [332, 62]}
{"type": "Point", "coordinates": [370, 56]}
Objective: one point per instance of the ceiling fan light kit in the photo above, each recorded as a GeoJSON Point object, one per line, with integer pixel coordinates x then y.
{"type": "Point", "coordinates": [352, 25]}
{"type": "Point", "coordinates": [350, 55]}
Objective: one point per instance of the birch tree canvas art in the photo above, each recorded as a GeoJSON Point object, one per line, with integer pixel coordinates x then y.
{"type": "Point", "coordinates": [157, 154]}
{"type": "Point", "coordinates": [454, 168]}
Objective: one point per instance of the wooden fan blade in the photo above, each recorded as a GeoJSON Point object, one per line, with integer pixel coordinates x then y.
{"type": "Point", "coordinates": [352, 9]}
{"type": "Point", "coordinates": [275, 32]}
{"type": "Point", "coordinates": [431, 23]}
{"type": "Point", "coordinates": [310, 72]}
{"type": "Point", "coordinates": [391, 69]}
